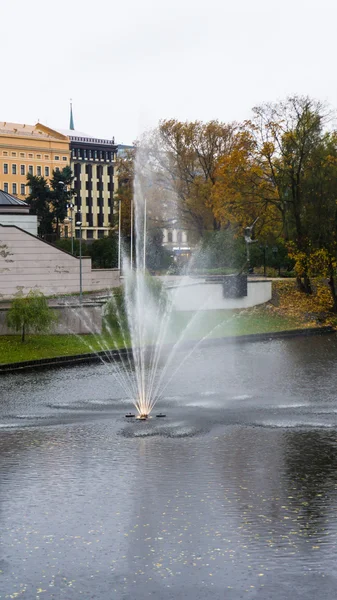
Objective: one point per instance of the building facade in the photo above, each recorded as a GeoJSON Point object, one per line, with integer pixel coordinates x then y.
{"type": "Point", "coordinates": [29, 149]}
{"type": "Point", "coordinates": [93, 163]}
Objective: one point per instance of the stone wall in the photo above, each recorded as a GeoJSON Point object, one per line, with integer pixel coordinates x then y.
{"type": "Point", "coordinates": [70, 319]}
{"type": "Point", "coordinates": [27, 262]}
{"type": "Point", "coordinates": [209, 296]}
{"type": "Point", "coordinates": [24, 221]}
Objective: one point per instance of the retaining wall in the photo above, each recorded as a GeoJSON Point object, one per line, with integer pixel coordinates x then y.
{"type": "Point", "coordinates": [209, 296]}
{"type": "Point", "coordinates": [70, 319]}
{"type": "Point", "coordinates": [27, 262]}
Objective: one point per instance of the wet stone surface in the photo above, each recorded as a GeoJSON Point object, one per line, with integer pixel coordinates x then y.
{"type": "Point", "coordinates": [233, 495]}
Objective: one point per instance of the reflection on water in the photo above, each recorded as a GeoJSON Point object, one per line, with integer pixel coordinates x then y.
{"type": "Point", "coordinates": [234, 495]}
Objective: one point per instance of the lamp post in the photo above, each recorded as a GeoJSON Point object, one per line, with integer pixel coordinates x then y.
{"type": "Point", "coordinates": [70, 206]}
{"type": "Point", "coordinates": [275, 253]}
{"type": "Point", "coordinates": [264, 248]}
{"type": "Point", "coordinates": [249, 240]}
{"type": "Point", "coordinates": [79, 223]}
{"type": "Point", "coordinates": [119, 234]}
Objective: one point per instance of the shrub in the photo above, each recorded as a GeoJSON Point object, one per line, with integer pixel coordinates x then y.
{"type": "Point", "coordinates": [30, 313]}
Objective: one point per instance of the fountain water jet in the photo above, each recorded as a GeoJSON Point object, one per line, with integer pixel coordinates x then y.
{"type": "Point", "coordinates": [142, 318]}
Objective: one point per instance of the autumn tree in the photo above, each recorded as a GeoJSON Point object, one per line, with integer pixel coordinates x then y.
{"type": "Point", "coordinates": [186, 156]}
{"type": "Point", "coordinates": [265, 174]}
{"type": "Point", "coordinates": [124, 194]}
{"type": "Point", "coordinates": [319, 218]}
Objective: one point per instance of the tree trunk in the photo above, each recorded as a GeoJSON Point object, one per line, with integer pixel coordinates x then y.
{"type": "Point", "coordinates": [23, 333]}
{"type": "Point", "coordinates": [305, 285]}
{"type": "Point", "coordinates": [332, 286]}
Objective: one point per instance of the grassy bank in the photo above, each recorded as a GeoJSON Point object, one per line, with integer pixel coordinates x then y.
{"type": "Point", "coordinates": [208, 323]}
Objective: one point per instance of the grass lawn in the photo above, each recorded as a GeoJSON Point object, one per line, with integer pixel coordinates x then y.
{"type": "Point", "coordinates": [218, 323]}
{"type": "Point", "coordinates": [48, 346]}
{"type": "Point", "coordinates": [224, 323]}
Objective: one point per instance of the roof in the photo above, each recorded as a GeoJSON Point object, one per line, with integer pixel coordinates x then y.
{"type": "Point", "coordinates": [22, 129]}
{"type": "Point", "coordinates": [9, 200]}
{"type": "Point", "coordinates": [74, 133]}
{"type": "Point", "coordinates": [80, 136]}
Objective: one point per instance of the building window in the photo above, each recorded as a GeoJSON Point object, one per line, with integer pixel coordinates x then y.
{"type": "Point", "coordinates": [56, 157]}
{"type": "Point", "coordinates": [38, 156]}
{"type": "Point", "coordinates": [30, 169]}
{"type": "Point", "coordinates": [22, 170]}
{"type": "Point", "coordinates": [95, 154]}
{"type": "Point", "coordinates": [6, 187]}
{"type": "Point", "coordinates": [64, 158]}
{"type": "Point", "coordinates": [5, 153]}
{"type": "Point", "coordinates": [66, 229]}
{"type": "Point", "coordinates": [14, 169]}
{"type": "Point", "coordinates": [5, 169]}
{"type": "Point", "coordinates": [13, 153]}
{"type": "Point", "coordinates": [57, 169]}
{"type": "Point", "coordinates": [100, 233]}
{"type": "Point", "coordinates": [14, 188]}
{"type": "Point", "coordinates": [179, 237]}
{"type": "Point", "coordinates": [169, 237]}
{"type": "Point", "coordinates": [90, 234]}
{"type": "Point", "coordinates": [30, 155]}
{"type": "Point", "coordinates": [23, 189]}
{"type": "Point", "coordinates": [46, 156]}
{"type": "Point", "coordinates": [77, 233]}
{"type": "Point", "coordinates": [38, 171]}
{"type": "Point", "coordinates": [46, 171]}
{"type": "Point", "coordinates": [22, 155]}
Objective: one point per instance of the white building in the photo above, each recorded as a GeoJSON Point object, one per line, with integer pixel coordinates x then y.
{"type": "Point", "coordinates": [16, 212]}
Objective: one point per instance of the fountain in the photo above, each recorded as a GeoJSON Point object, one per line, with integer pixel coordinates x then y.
{"type": "Point", "coordinates": [141, 318]}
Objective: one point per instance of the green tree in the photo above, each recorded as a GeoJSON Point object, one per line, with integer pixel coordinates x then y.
{"type": "Point", "coordinates": [221, 249]}
{"type": "Point", "coordinates": [61, 194]}
{"type": "Point", "coordinates": [49, 201]}
{"type": "Point", "coordinates": [157, 257]}
{"type": "Point", "coordinates": [104, 252]}
{"type": "Point", "coordinates": [65, 244]}
{"type": "Point", "coordinates": [30, 313]}
{"type": "Point", "coordinates": [39, 199]}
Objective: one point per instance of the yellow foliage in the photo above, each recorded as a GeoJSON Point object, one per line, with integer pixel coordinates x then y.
{"type": "Point", "coordinates": [312, 262]}
{"type": "Point", "coordinates": [308, 308]}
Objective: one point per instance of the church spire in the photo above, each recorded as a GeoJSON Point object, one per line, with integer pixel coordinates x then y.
{"type": "Point", "coordinates": [71, 126]}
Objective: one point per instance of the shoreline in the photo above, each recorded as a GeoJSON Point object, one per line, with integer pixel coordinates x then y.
{"type": "Point", "coordinates": [92, 357]}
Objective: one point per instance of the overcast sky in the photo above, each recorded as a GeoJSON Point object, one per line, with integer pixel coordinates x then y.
{"type": "Point", "coordinates": [128, 63]}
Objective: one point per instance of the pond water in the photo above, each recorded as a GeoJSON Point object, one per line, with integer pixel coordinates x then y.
{"type": "Point", "coordinates": [233, 495]}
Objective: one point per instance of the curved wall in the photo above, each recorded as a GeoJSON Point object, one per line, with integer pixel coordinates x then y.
{"type": "Point", "coordinates": [209, 296]}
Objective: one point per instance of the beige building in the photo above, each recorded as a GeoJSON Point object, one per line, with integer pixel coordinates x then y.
{"type": "Point", "coordinates": [29, 149]}
{"type": "Point", "coordinates": [38, 149]}
{"type": "Point", "coordinates": [93, 162]}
